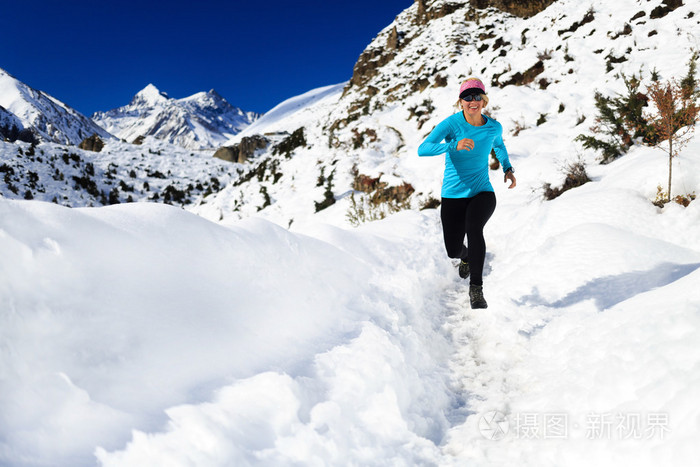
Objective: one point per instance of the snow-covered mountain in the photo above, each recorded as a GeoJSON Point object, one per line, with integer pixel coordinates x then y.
{"type": "Point", "coordinates": [49, 119]}
{"type": "Point", "coordinates": [203, 120]}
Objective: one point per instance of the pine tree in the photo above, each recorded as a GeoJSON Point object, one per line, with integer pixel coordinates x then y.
{"type": "Point", "coordinates": [620, 120]}
{"type": "Point", "coordinates": [689, 83]}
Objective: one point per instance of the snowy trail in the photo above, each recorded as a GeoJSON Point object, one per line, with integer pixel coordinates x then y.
{"type": "Point", "coordinates": [395, 388]}
{"type": "Point", "coordinates": [581, 358]}
{"type": "Point", "coordinates": [613, 381]}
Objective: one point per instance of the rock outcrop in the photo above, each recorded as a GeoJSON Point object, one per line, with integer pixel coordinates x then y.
{"type": "Point", "coordinates": [521, 8]}
{"type": "Point", "coordinates": [244, 150]}
{"type": "Point", "coordinates": [92, 143]}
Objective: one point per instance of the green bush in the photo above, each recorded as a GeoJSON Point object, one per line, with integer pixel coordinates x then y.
{"type": "Point", "coordinates": [619, 123]}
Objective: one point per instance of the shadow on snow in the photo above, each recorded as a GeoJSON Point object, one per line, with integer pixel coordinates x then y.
{"type": "Point", "coordinates": [608, 291]}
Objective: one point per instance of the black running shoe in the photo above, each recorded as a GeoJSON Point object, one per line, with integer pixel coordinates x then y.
{"type": "Point", "coordinates": [463, 269]}
{"type": "Point", "coordinates": [476, 296]}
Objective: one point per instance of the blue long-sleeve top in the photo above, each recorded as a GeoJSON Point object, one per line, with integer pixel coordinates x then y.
{"type": "Point", "coordinates": [466, 172]}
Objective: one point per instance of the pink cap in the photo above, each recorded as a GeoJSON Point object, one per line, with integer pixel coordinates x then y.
{"type": "Point", "coordinates": [472, 84]}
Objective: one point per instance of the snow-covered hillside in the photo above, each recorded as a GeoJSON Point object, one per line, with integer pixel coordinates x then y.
{"type": "Point", "coordinates": [249, 329]}
{"type": "Point", "coordinates": [49, 119]}
{"type": "Point", "coordinates": [541, 74]}
{"type": "Point", "coordinates": [122, 172]}
{"type": "Point", "coordinates": [201, 121]}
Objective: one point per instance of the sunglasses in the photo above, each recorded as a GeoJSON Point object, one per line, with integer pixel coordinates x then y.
{"type": "Point", "coordinates": [475, 97]}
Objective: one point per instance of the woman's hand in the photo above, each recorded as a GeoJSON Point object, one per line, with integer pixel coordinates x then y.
{"type": "Point", "coordinates": [509, 176]}
{"type": "Point", "coordinates": [465, 144]}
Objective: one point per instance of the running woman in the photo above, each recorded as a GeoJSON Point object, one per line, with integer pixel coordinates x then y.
{"type": "Point", "coordinates": [468, 200]}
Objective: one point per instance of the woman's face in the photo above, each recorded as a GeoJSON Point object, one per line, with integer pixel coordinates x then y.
{"type": "Point", "coordinates": [472, 107]}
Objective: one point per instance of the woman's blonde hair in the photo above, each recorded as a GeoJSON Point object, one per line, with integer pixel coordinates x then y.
{"type": "Point", "coordinates": [484, 97]}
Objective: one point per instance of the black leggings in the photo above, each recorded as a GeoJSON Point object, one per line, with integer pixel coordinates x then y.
{"type": "Point", "coordinates": [467, 216]}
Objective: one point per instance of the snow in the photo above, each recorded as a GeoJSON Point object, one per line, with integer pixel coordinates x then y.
{"type": "Point", "coordinates": [137, 308]}
{"type": "Point", "coordinates": [146, 334]}
{"type": "Point", "coordinates": [10, 95]}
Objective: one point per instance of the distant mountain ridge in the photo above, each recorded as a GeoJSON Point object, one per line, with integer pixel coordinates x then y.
{"type": "Point", "coordinates": [47, 118]}
{"type": "Point", "coordinates": [203, 120]}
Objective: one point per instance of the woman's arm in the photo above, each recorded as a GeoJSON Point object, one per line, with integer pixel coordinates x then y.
{"type": "Point", "coordinates": [499, 148]}
{"type": "Point", "coordinates": [433, 145]}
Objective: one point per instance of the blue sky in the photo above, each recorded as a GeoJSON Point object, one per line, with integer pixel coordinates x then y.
{"type": "Point", "coordinates": [95, 55]}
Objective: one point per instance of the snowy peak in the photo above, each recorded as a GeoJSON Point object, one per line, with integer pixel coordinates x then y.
{"type": "Point", "coordinates": [208, 102]}
{"type": "Point", "coordinates": [47, 118]}
{"type": "Point", "coordinates": [211, 96]}
{"type": "Point", "coordinates": [202, 120]}
{"type": "Point", "coordinates": [149, 96]}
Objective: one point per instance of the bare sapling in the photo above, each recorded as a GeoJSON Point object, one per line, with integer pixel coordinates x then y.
{"type": "Point", "coordinates": [674, 120]}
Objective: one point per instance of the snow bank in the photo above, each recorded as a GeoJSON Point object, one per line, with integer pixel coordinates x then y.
{"type": "Point", "coordinates": [111, 316]}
